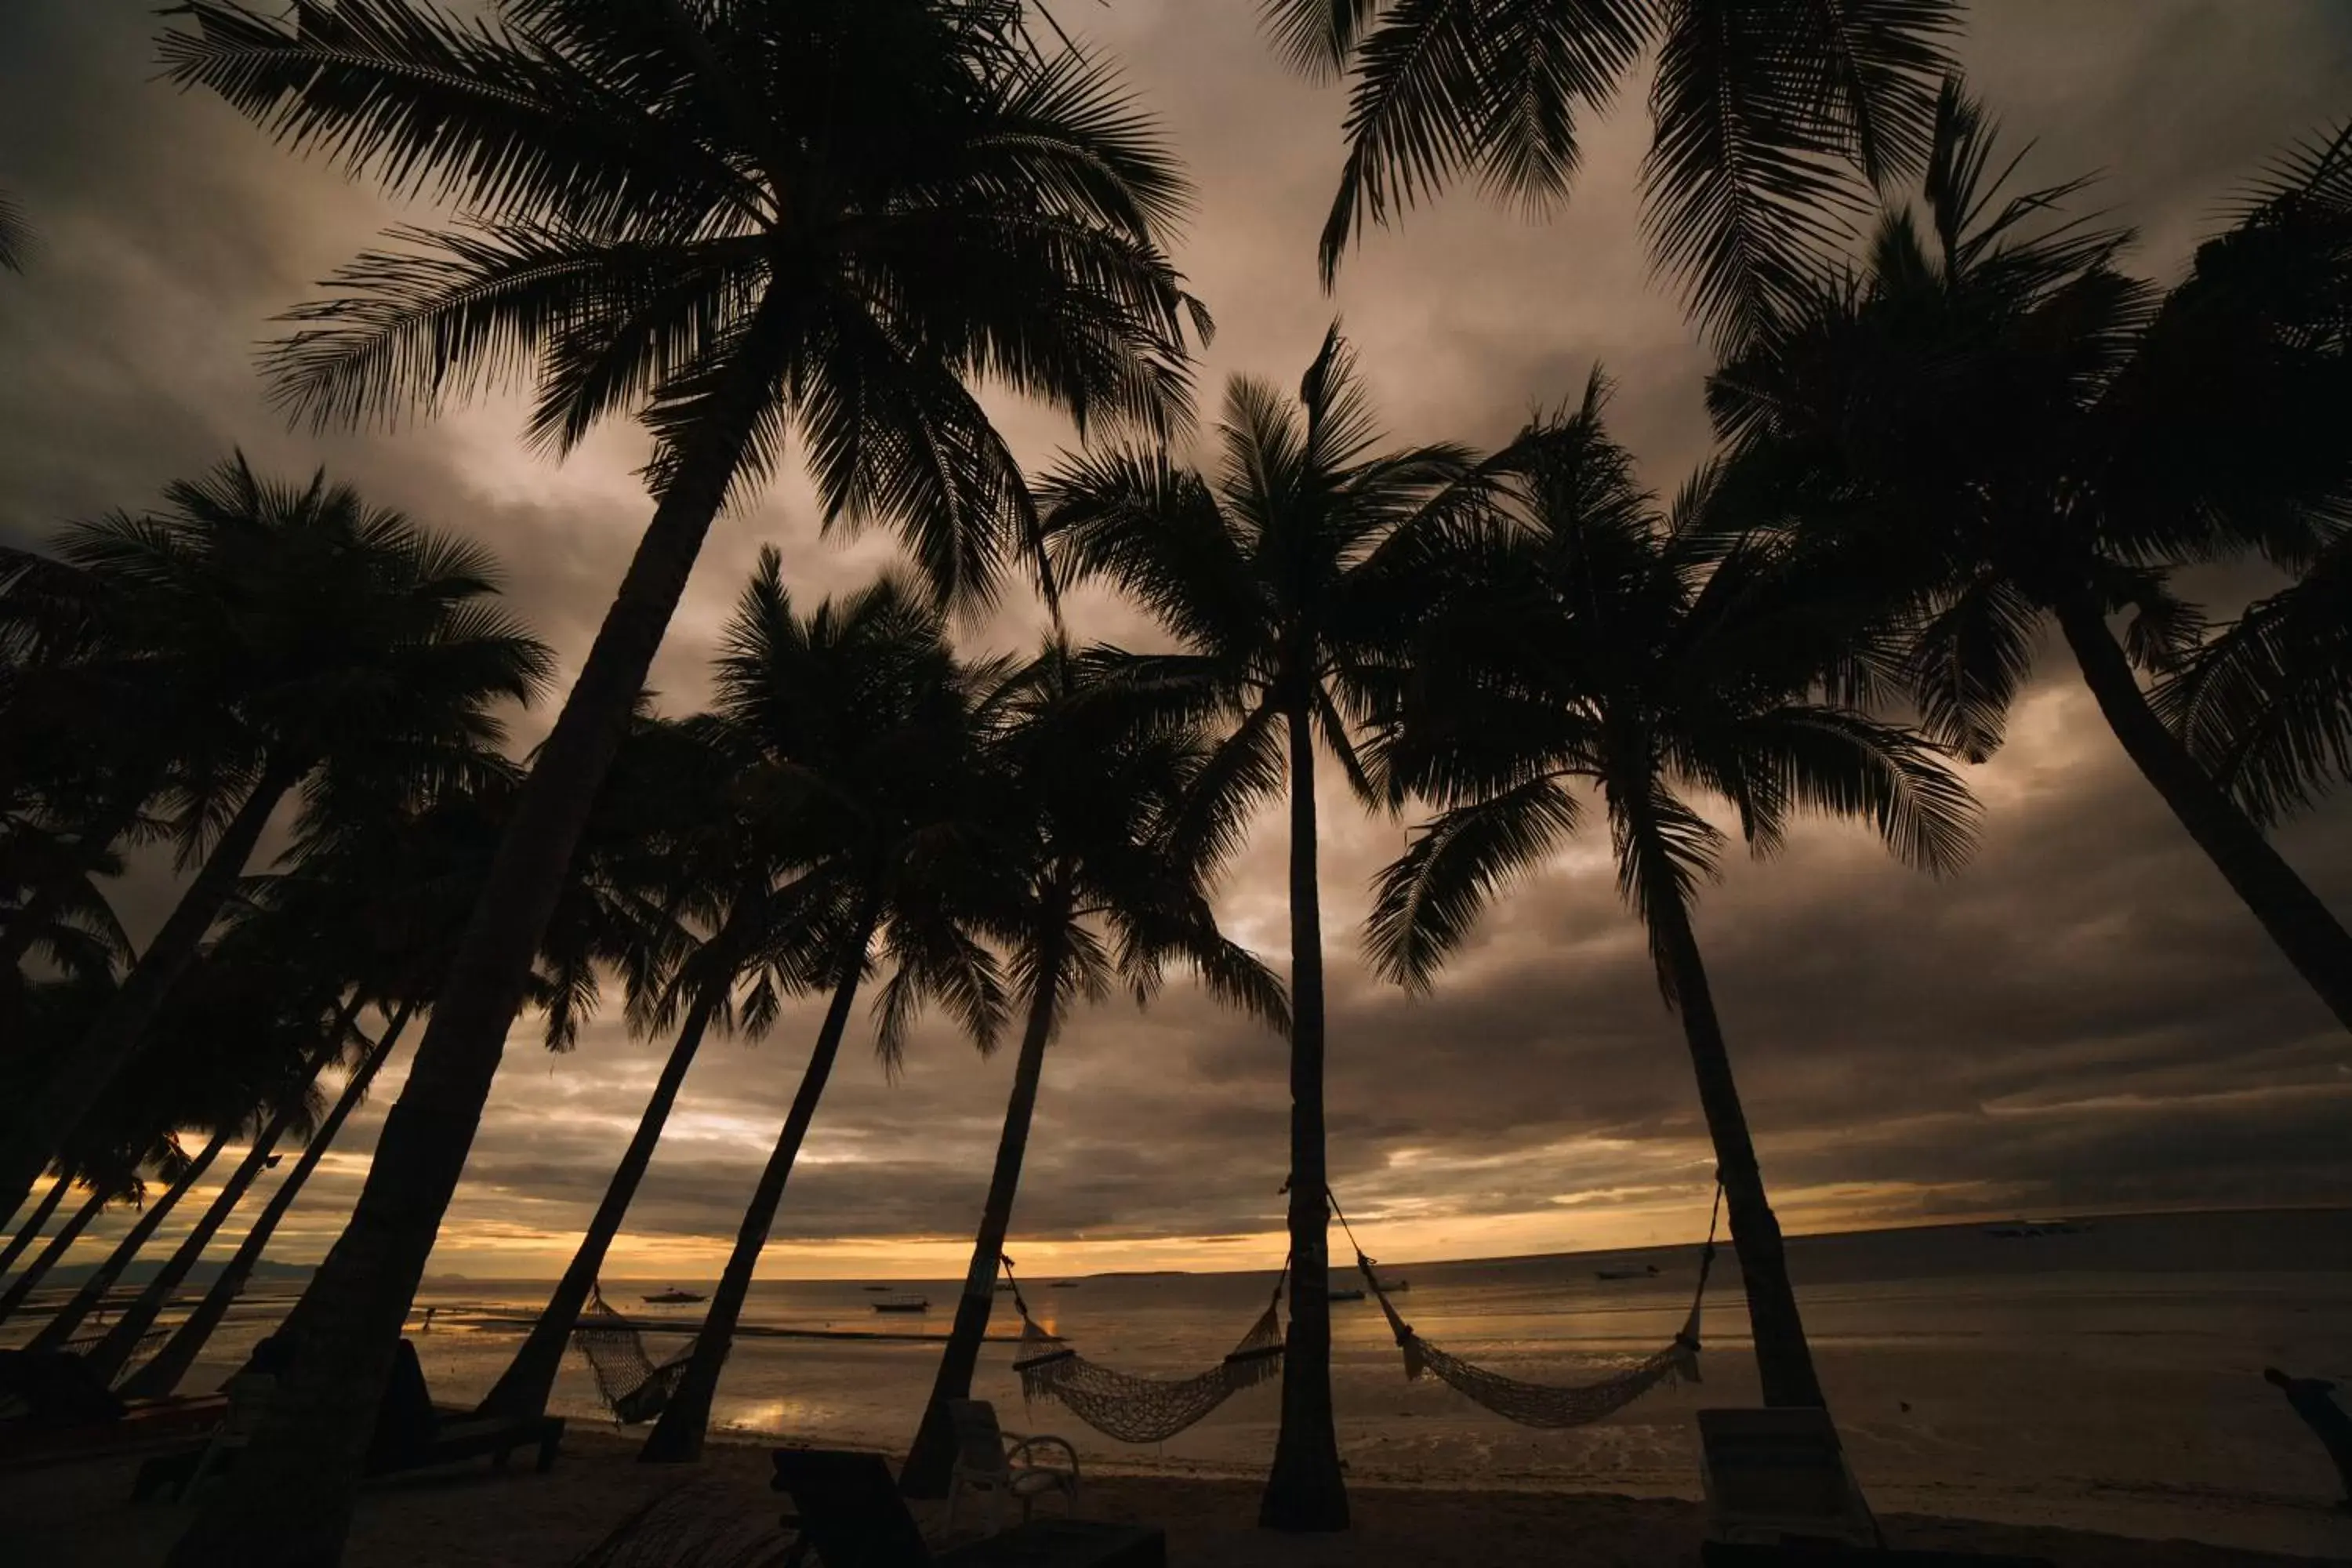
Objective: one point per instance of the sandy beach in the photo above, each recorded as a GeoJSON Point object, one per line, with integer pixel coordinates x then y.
{"type": "Point", "coordinates": [76, 1517]}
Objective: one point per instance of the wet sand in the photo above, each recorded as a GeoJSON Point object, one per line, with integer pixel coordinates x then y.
{"type": "Point", "coordinates": [76, 1517]}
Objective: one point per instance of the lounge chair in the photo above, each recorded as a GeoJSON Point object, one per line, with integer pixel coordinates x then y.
{"type": "Point", "coordinates": [54, 1411]}
{"type": "Point", "coordinates": [410, 1435]}
{"type": "Point", "coordinates": [995, 1465]}
{"type": "Point", "coordinates": [1779, 1478]}
{"type": "Point", "coordinates": [849, 1513]}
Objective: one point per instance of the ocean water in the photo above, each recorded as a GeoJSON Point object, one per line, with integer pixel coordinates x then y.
{"type": "Point", "coordinates": [2107, 1379]}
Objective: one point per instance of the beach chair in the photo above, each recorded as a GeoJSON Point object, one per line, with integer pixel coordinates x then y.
{"type": "Point", "coordinates": [995, 1465]}
{"type": "Point", "coordinates": [54, 1411]}
{"type": "Point", "coordinates": [848, 1513]}
{"type": "Point", "coordinates": [411, 1434]}
{"type": "Point", "coordinates": [1778, 1477]}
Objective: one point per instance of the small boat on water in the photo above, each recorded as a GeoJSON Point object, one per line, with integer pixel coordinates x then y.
{"type": "Point", "coordinates": [1350, 1293]}
{"type": "Point", "coordinates": [1067, 1284]}
{"type": "Point", "coordinates": [1394, 1286]}
{"type": "Point", "coordinates": [2028, 1228]}
{"type": "Point", "coordinates": [1651, 1272]}
{"type": "Point", "coordinates": [674, 1296]}
{"type": "Point", "coordinates": [902, 1304]}
{"type": "Point", "coordinates": [877, 1288]}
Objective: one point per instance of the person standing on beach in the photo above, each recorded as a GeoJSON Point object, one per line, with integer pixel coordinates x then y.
{"type": "Point", "coordinates": [2315, 1400]}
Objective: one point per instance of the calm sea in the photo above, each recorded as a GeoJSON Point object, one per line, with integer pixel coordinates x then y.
{"type": "Point", "coordinates": [2107, 1379]}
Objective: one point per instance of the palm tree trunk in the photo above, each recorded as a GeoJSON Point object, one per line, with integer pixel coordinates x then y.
{"type": "Point", "coordinates": [932, 1458]}
{"type": "Point", "coordinates": [1305, 1491]}
{"type": "Point", "coordinates": [2304, 929]}
{"type": "Point", "coordinates": [47, 1258]}
{"type": "Point", "coordinates": [32, 1227]}
{"type": "Point", "coordinates": [524, 1388]}
{"type": "Point", "coordinates": [1784, 1361]}
{"type": "Point", "coordinates": [51, 1114]}
{"type": "Point", "coordinates": [46, 899]}
{"type": "Point", "coordinates": [122, 1342]}
{"type": "Point", "coordinates": [162, 1375]}
{"type": "Point", "coordinates": [60, 1329]}
{"type": "Point", "coordinates": [677, 1436]}
{"type": "Point", "coordinates": [288, 1502]}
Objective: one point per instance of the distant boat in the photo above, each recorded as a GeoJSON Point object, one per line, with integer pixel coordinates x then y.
{"type": "Point", "coordinates": [877, 1287]}
{"type": "Point", "coordinates": [1394, 1286]}
{"type": "Point", "coordinates": [2027, 1227]}
{"type": "Point", "coordinates": [1649, 1272]}
{"type": "Point", "coordinates": [1067, 1284]}
{"type": "Point", "coordinates": [674, 1296]}
{"type": "Point", "coordinates": [902, 1304]}
{"type": "Point", "coordinates": [1004, 1285]}
{"type": "Point", "coordinates": [1348, 1294]}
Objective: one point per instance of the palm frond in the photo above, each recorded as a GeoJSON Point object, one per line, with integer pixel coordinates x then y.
{"type": "Point", "coordinates": [1426, 901]}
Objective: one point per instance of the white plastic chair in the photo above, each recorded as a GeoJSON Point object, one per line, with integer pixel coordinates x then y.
{"type": "Point", "coordinates": [997, 1464]}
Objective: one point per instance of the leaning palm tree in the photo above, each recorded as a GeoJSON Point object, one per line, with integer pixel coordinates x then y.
{"type": "Point", "coordinates": [1990, 426]}
{"type": "Point", "coordinates": [1284, 576]}
{"type": "Point", "coordinates": [856, 742]}
{"type": "Point", "coordinates": [1592, 641]}
{"type": "Point", "coordinates": [333, 646]}
{"type": "Point", "coordinates": [733, 221]}
{"type": "Point", "coordinates": [1108, 830]}
{"type": "Point", "coordinates": [1764, 113]}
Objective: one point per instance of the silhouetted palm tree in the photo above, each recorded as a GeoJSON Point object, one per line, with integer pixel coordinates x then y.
{"type": "Point", "coordinates": [34, 1223]}
{"type": "Point", "coordinates": [331, 646]}
{"type": "Point", "coordinates": [858, 770]}
{"type": "Point", "coordinates": [1282, 575]}
{"type": "Point", "coordinates": [1763, 111]}
{"type": "Point", "coordinates": [54, 1333]}
{"type": "Point", "coordinates": [732, 220]}
{"type": "Point", "coordinates": [1592, 641]}
{"type": "Point", "coordinates": [1991, 425]}
{"type": "Point", "coordinates": [1109, 833]}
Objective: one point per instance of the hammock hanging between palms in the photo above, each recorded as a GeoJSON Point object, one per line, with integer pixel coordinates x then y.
{"type": "Point", "coordinates": [1141, 1409]}
{"type": "Point", "coordinates": [1546, 1405]}
{"type": "Point", "coordinates": [628, 1382]}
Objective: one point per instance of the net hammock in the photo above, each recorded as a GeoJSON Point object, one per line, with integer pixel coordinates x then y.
{"type": "Point", "coordinates": [1141, 1409]}
{"type": "Point", "coordinates": [630, 1385]}
{"type": "Point", "coordinates": [1548, 1404]}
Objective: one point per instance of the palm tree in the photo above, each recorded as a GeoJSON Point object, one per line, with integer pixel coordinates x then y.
{"type": "Point", "coordinates": [54, 1333]}
{"type": "Point", "coordinates": [857, 765]}
{"type": "Point", "coordinates": [160, 1376]}
{"type": "Point", "coordinates": [732, 220]}
{"type": "Point", "coordinates": [332, 645]}
{"type": "Point", "coordinates": [1109, 830]}
{"type": "Point", "coordinates": [1763, 114]}
{"type": "Point", "coordinates": [34, 1223]}
{"type": "Point", "coordinates": [58, 1245]}
{"type": "Point", "coordinates": [16, 235]}
{"type": "Point", "coordinates": [1282, 578]}
{"type": "Point", "coordinates": [1592, 640]}
{"type": "Point", "coordinates": [1991, 425]}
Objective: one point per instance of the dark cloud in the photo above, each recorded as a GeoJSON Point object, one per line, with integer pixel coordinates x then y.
{"type": "Point", "coordinates": [2084, 1017]}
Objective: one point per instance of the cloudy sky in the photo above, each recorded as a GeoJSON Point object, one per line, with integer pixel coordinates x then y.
{"type": "Point", "coordinates": [2084, 1019]}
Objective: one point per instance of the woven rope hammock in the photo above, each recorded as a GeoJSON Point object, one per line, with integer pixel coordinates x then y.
{"type": "Point", "coordinates": [630, 1385]}
{"type": "Point", "coordinates": [1546, 1404]}
{"type": "Point", "coordinates": [1141, 1409]}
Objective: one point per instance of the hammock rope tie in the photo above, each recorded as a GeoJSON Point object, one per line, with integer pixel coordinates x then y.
{"type": "Point", "coordinates": [1546, 1404]}
{"type": "Point", "coordinates": [627, 1380]}
{"type": "Point", "coordinates": [1141, 1409]}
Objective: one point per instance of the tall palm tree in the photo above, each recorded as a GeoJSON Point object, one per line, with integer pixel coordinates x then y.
{"type": "Point", "coordinates": [1991, 425]}
{"type": "Point", "coordinates": [34, 1223]}
{"type": "Point", "coordinates": [1282, 575]}
{"type": "Point", "coordinates": [858, 748]}
{"type": "Point", "coordinates": [730, 220]}
{"type": "Point", "coordinates": [1109, 834]}
{"type": "Point", "coordinates": [334, 647]}
{"type": "Point", "coordinates": [54, 1333]}
{"type": "Point", "coordinates": [1764, 112]}
{"type": "Point", "coordinates": [1593, 641]}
